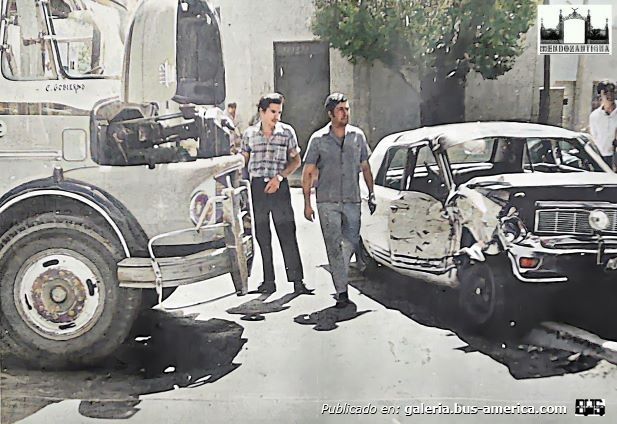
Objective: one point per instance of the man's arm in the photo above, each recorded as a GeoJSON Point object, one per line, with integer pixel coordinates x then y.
{"type": "Point", "coordinates": [368, 175]}
{"type": "Point", "coordinates": [245, 147]}
{"type": "Point", "coordinates": [368, 179]}
{"type": "Point", "coordinates": [293, 163]}
{"type": "Point", "coordinates": [593, 128]}
{"type": "Point", "coordinates": [308, 175]}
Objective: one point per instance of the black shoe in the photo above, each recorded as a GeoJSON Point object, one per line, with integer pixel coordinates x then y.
{"type": "Point", "coordinates": [300, 288]}
{"type": "Point", "coordinates": [342, 300]}
{"type": "Point", "coordinates": [266, 287]}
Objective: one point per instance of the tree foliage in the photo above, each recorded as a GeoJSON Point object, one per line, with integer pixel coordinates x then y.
{"type": "Point", "coordinates": [419, 35]}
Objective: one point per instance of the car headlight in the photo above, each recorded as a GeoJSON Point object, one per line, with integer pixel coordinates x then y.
{"type": "Point", "coordinates": [198, 203]}
{"type": "Point", "coordinates": [513, 229]}
{"type": "Point", "coordinates": [598, 220]}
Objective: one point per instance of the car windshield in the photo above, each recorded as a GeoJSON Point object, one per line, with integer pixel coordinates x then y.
{"type": "Point", "coordinates": [560, 155]}
{"type": "Point", "coordinates": [89, 37]}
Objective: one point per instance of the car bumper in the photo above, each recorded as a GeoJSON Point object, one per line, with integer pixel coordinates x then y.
{"type": "Point", "coordinates": [563, 259]}
{"type": "Point", "coordinates": [180, 270]}
{"type": "Point", "coordinates": [235, 257]}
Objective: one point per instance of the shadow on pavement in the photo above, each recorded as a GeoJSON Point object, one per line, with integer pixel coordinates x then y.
{"type": "Point", "coordinates": [327, 319]}
{"type": "Point", "coordinates": [166, 351]}
{"type": "Point", "coordinates": [254, 309]}
{"type": "Point", "coordinates": [436, 306]}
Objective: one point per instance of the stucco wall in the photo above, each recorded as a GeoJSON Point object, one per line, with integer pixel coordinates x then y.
{"type": "Point", "coordinates": [512, 96]}
{"type": "Point", "coordinates": [393, 105]}
{"type": "Point", "coordinates": [249, 29]}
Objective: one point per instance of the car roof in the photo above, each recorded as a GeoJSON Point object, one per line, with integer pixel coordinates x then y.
{"type": "Point", "coordinates": [449, 135]}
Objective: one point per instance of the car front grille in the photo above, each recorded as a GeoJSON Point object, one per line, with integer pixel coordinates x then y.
{"type": "Point", "coordinates": [571, 221]}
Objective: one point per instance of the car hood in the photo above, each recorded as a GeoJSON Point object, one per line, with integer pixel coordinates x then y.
{"type": "Point", "coordinates": [523, 191]}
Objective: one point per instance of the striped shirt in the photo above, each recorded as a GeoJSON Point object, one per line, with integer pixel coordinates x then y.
{"type": "Point", "coordinates": [268, 155]}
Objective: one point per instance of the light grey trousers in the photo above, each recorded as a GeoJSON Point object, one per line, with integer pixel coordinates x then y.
{"type": "Point", "coordinates": [340, 225]}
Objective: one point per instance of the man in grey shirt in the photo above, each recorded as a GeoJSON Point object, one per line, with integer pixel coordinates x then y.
{"type": "Point", "coordinates": [335, 156]}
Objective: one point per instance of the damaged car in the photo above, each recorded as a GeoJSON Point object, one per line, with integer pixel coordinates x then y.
{"type": "Point", "coordinates": [506, 213]}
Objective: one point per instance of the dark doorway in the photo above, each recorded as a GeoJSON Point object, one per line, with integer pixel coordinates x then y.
{"type": "Point", "coordinates": [302, 75]}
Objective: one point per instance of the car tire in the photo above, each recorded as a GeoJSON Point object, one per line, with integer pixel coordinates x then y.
{"type": "Point", "coordinates": [487, 296]}
{"type": "Point", "coordinates": [62, 316]}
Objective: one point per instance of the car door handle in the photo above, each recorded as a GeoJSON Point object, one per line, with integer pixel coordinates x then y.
{"type": "Point", "coordinates": [394, 208]}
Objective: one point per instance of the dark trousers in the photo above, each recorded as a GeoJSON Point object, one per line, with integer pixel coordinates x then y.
{"type": "Point", "coordinates": [279, 205]}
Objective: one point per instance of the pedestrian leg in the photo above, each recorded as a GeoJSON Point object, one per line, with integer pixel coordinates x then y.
{"type": "Point", "coordinates": [330, 219]}
{"type": "Point", "coordinates": [350, 229]}
{"type": "Point", "coordinates": [285, 225]}
{"type": "Point", "coordinates": [261, 217]}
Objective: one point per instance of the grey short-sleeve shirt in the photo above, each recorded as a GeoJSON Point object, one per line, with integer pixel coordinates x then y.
{"type": "Point", "coordinates": [338, 162]}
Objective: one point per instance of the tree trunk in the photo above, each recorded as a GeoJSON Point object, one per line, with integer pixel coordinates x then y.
{"type": "Point", "coordinates": [443, 98]}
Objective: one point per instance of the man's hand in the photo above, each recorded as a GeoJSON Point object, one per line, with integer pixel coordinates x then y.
{"type": "Point", "coordinates": [309, 213]}
{"type": "Point", "coordinates": [372, 205]}
{"type": "Point", "coordinates": [272, 186]}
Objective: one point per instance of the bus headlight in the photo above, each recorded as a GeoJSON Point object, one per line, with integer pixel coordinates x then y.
{"type": "Point", "coordinates": [198, 203]}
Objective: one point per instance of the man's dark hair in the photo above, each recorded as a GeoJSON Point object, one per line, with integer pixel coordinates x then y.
{"type": "Point", "coordinates": [332, 100]}
{"type": "Point", "coordinates": [232, 105]}
{"type": "Point", "coordinates": [606, 86]}
{"type": "Point", "coordinates": [267, 99]}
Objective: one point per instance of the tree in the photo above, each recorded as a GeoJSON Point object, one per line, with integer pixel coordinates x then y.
{"type": "Point", "coordinates": [433, 44]}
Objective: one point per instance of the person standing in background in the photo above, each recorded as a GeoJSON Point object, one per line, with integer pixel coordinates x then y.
{"type": "Point", "coordinates": [603, 123]}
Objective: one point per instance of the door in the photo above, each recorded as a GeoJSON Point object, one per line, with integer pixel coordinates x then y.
{"type": "Point", "coordinates": [387, 188]}
{"type": "Point", "coordinates": [302, 75]}
{"type": "Point", "coordinates": [419, 228]}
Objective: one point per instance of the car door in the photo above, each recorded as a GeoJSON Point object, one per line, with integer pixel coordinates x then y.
{"type": "Point", "coordinates": [387, 187]}
{"type": "Point", "coordinates": [418, 225]}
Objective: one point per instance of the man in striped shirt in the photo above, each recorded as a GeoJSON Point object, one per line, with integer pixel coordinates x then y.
{"type": "Point", "coordinates": [271, 149]}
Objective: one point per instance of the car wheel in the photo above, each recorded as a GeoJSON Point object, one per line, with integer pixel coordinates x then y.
{"type": "Point", "coordinates": [61, 302]}
{"type": "Point", "coordinates": [480, 295]}
{"type": "Point", "coordinates": [366, 261]}
{"type": "Point", "coordinates": [488, 297]}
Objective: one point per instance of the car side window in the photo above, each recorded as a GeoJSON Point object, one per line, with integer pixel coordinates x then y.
{"type": "Point", "coordinates": [26, 49]}
{"type": "Point", "coordinates": [426, 176]}
{"type": "Point", "coordinates": [391, 172]}
{"type": "Point", "coordinates": [540, 151]}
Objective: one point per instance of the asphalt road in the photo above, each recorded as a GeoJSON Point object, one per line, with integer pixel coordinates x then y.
{"type": "Point", "coordinates": [212, 357]}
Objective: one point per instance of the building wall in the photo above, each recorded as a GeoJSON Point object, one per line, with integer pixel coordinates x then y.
{"type": "Point", "coordinates": [393, 105]}
{"type": "Point", "coordinates": [249, 29]}
{"type": "Point", "coordinates": [512, 96]}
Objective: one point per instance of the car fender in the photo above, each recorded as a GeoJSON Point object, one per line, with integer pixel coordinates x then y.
{"type": "Point", "coordinates": [124, 225]}
{"type": "Point", "coordinates": [479, 215]}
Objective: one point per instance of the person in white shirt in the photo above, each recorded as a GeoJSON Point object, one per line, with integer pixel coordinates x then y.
{"type": "Point", "coordinates": [603, 122]}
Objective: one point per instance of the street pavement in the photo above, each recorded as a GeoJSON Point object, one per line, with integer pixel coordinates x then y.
{"type": "Point", "coordinates": [212, 357]}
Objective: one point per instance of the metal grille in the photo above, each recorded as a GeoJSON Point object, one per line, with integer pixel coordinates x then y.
{"type": "Point", "coordinates": [571, 221]}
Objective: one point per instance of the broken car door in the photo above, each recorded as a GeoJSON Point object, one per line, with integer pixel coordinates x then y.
{"type": "Point", "coordinates": [418, 226]}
